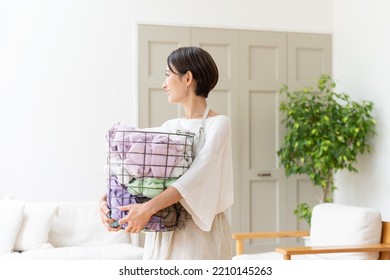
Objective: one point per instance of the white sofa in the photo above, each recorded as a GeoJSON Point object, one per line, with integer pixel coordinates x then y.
{"type": "Point", "coordinates": [62, 231]}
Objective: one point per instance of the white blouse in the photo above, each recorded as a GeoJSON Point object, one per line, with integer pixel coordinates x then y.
{"type": "Point", "coordinates": [207, 186]}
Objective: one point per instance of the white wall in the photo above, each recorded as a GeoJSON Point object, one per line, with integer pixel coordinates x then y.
{"type": "Point", "coordinates": [361, 64]}
{"type": "Point", "coordinates": [67, 72]}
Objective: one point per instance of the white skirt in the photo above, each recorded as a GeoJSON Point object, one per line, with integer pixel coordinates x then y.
{"type": "Point", "coordinates": [191, 243]}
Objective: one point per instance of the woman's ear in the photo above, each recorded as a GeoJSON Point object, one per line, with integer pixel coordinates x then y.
{"type": "Point", "coordinates": [188, 78]}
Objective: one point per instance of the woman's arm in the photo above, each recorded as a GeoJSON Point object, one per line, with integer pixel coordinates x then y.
{"type": "Point", "coordinates": [140, 214]}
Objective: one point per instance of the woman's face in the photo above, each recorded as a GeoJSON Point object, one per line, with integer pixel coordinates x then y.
{"type": "Point", "coordinates": [175, 86]}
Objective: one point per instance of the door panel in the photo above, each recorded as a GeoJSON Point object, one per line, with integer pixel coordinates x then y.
{"type": "Point", "coordinates": [155, 43]}
{"type": "Point", "coordinates": [309, 56]}
{"type": "Point", "coordinates": [263, 130]}
{"type": "Point", "coordinates": [263, 70]}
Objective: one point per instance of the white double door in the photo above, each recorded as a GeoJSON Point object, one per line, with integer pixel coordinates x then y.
{"type": "Point", "coordinates": [253, 65]}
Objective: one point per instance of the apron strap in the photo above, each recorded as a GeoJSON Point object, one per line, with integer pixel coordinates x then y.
{"type": "Point", "coordinates": [200, 137]}
{"type": "Point", "coordinates": [205, 114]}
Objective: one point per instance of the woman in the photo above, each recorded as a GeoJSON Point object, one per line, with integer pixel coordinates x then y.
{"type": "Point", "coordinates": [206, 188]}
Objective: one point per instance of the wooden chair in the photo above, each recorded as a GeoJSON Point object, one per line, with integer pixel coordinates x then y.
{"type": "Point", "coordinates": [383, 247]}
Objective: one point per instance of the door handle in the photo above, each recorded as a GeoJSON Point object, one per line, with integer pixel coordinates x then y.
{"type": "Point", "coordinates": [264, 174]}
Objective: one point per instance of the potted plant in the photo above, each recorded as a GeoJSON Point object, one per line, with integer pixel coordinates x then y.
{"type": "Point", "coordinates": [326, 131]}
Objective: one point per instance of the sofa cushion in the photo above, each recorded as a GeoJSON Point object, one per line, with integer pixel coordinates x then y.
{"type": "Point", "coordinates": [11, 256]}
{"type": "Point", "coordinates": [334, 224]}
{"type": "Point", "coordinates": [34, 231]}
{"type": "Point", "coordinates": [77, 223]}
{"type": "Point", "coordinates": [11, 216]}
{"type": "Point", "coordinates": [118, 251]}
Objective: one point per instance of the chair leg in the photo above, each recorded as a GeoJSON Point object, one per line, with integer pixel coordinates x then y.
{"type": "Point", "coordinates": [239, 247]}
{"type": "Point", "coordinates": [287, 257]}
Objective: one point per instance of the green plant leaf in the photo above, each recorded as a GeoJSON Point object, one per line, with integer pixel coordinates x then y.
{"type": "Point", "coordinates": [325, 132]}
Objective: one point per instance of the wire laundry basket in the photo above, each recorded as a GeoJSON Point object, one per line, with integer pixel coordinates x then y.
{"type": "Point", "coordinates": [140, 165]}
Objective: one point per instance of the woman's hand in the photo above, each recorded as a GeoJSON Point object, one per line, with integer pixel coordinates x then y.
{"type": "Point", "coordinates": [137, 217]}
{"type": "Point", "coordinates": [139, 214]}
{"type": "Point", "coordinates": [104, 214]}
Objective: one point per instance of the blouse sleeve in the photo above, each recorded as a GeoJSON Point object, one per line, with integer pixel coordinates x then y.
{"type": "Point", "coordinates": [207, 186]}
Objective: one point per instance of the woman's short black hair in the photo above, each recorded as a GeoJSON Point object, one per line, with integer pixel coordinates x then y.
{"type": "Point", "coordinates": [200, 63]}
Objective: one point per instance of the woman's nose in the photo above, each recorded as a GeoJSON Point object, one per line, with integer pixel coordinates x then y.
{"type": "Point", "coordinates": [164, 85]}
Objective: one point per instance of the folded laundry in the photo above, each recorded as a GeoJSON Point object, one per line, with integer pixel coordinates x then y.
{"type": "Point", "coordinates": [180, 167]}
{"type": "Point", "coordinates": [117, 168]}
{"type": "Point", "coordinates": [138, 160]}
{"type": "Point", "coordinates": [117, 196]}
{"type": "Point", "coordinates": [163, 159]}
{"type": "Point", "coordinates": [148, 153]}
{"type": "Point", "coordinates": [149, 187]}
{"type": "Point", "coordinates": [167, 219]}
{"type": "Point", "coordinates": [118, 142]}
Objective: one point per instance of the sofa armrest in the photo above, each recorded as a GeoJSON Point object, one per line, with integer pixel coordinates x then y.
{"type": "Point", "coordinates": [241, 236]}
{"type": "Point", "coordinates": [287, 252]}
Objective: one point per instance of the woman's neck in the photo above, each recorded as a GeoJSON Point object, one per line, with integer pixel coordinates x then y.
{"type": "Point", "coordinates": [195, 110]}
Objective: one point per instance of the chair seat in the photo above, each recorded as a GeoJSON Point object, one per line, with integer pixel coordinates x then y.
{"type": "Point", "coordinates": [339, 225]}
{"type": "Point", "coordinates": [275, 256]}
